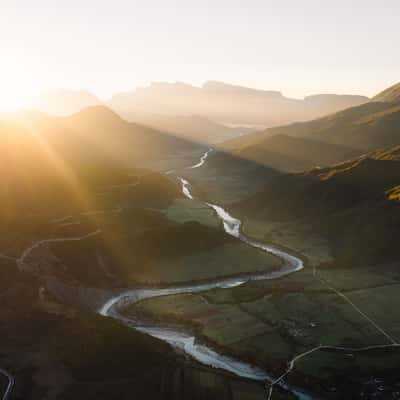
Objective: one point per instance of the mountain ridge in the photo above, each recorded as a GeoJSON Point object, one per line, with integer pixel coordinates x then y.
{"type": "Point", "coordinates": [227, 103]}
{"type": "Point", "coordinates": [391, 94]}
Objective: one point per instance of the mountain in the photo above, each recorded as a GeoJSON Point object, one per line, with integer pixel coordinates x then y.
{"type": "Point", "coordinates": [365, 127]}
{"type": "Point", "coordinates": [64, 102]}
{"type": "Point", "coordinates": [330, 103]}
{"type": "Point", "coordinates": [96, 132]}
{"type": "Point", "coordinates": [354, 205]}
{"type": "Point", "coordinates": [287, 153]}
{"type": "Point", "coordinates": [55, 165]}
{"type": "Point", "coordinates": [80, 220]}
{"type": "Point", "coordinates": [390, 95]}
{"type": "Point", "coordinates": [227, 103]}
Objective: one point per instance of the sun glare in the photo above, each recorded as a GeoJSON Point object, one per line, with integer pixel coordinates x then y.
{"type": "Point", "coordinates": [11, 102]}
{"type": "Point", "coordinates": [21, 79]}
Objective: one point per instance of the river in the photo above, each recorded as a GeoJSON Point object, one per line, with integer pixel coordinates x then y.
{"type": "Point", "coordinates": [187, 342]}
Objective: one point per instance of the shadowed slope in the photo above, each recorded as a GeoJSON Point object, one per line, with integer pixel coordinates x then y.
{"type": "Point", "coordinates": [364, 127]}
{"type": "Point", "coordinates": [287, 153]}
{"type": "Point", "coordinates": [348, 203]}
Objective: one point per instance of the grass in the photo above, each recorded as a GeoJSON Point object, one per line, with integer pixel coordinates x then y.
{"type": "Point", "coordinates": [228, 259]}
{"type": "Point", "coordinates": [296, 236]}
{"type": "Point", "coordinates": [269, 322]}
{"type": "Point", "coordinates": [222, 324]}
{"type": "Point", "coordinates": [184, 210]}
{"type": "Point", "coordinates": [394, 193]}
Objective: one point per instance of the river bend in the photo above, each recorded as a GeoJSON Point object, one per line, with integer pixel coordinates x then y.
{"type": "Point", "coordinates": [186, 341]}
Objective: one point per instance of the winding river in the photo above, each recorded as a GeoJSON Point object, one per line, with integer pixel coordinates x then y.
{"type": "Point", "coordinates": [187, 342]}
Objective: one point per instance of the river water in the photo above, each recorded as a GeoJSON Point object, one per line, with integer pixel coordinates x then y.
{"type": "Point", "coordinates": [187, 342]}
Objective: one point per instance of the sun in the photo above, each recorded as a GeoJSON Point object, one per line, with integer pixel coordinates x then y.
{"type": "Point", "coordinates": [10, 102]}
{"type": "Point", "coordinates": [20, 79]}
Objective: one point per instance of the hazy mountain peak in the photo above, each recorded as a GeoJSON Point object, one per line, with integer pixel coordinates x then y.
{"type": "Point", "coordinates": [97, 114]}
{"type": "Point", "coordinates": [333, 96]}
{"type": "Point", "coordinates": [177, 84]}
{"type": "Point", "coordinates": [237, 89]}
{"type": "Point", "coordinates": [65, 101]}
{"type": "Point", "coordinates": [227, 103]}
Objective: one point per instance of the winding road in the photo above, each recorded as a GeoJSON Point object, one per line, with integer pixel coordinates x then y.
{"type": "Point", "coordinates": [10, 384]}
{"type": "Point", "coordinates": [21, 260]}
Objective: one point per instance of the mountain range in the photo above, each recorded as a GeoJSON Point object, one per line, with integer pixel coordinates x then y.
{"type": "Point", "coordinates": [364, 127]}
{"type": "Point", "coordinates": [326, 140]}
{"type": "Point", "coordinates": [171, 106]}
{"type": "Point", "coordinates": [227, 103]}
{"type": "Point", "coordinates": [65, 176]}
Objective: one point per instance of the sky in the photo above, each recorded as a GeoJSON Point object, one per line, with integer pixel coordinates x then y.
{"type": "Point", "coordinates": [297, 47]}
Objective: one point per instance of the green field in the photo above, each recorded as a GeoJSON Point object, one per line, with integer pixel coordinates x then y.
{"type": "Point", "coordinates": [270, 322]}
{"type": "Point", "coordinates": [185, 210]}
{"type": "Point", "coordinates": [229, 259]}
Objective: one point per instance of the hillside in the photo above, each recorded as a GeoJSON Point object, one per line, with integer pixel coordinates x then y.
{"type": "Point", "coordinates": [227, 103]}
{"type": "Point", "coordinates": [365, 127]}
{"type": "Point", "coordinates": [287, 153]}
{"type": "Point", "coordinates": [60, 351]}
{"type": "Point", "coordinates": [54, 275]}
{"type": "Point", "coordinates": [96, 132]}
{"type": "Point", "coordinates": [56, 167]}
{"type": "Point", "coordinates": [226, 178]}
{"type": "Point", "coordinates": [390, 95]}
{"type": "Point", "coordinates": [84, 173]}
{"type": "Point", "coordinates": [354, 205]}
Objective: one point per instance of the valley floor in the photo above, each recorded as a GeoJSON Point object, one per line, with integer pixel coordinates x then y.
{"type": "Point", "coordinates": [272, 322]}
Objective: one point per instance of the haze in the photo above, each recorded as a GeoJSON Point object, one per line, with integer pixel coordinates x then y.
{"type": "Point", "coordinates": [105, 47]}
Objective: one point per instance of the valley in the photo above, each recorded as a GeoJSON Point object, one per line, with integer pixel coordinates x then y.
{"type": "Point", "coordinates": [208, 313]}
{"type": "Point", "coordinates": [240, 272]}
{"type": "Point", "coordinates": [199, 200]}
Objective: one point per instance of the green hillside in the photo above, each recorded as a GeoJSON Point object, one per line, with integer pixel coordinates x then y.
{"type": "Point", "coordinates": [353, 204]}
{"type": "Point", "coordinates": [287, 153]}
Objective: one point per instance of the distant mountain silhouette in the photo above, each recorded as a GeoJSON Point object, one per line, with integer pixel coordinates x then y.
{"type": "Point", "coordinates": [227, 103]}
{"type": "Point", "coordinates": [208, 114]}
{"type": "Point", "coordinates": [64, 102]}
{"type": "Point", "coordinates": [365, 127]}
{"type": "Point", "coordinates": [97, 131]}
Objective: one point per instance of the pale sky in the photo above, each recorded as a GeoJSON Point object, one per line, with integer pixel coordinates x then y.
{"type": "Point", "coordinates": [297, 47]}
